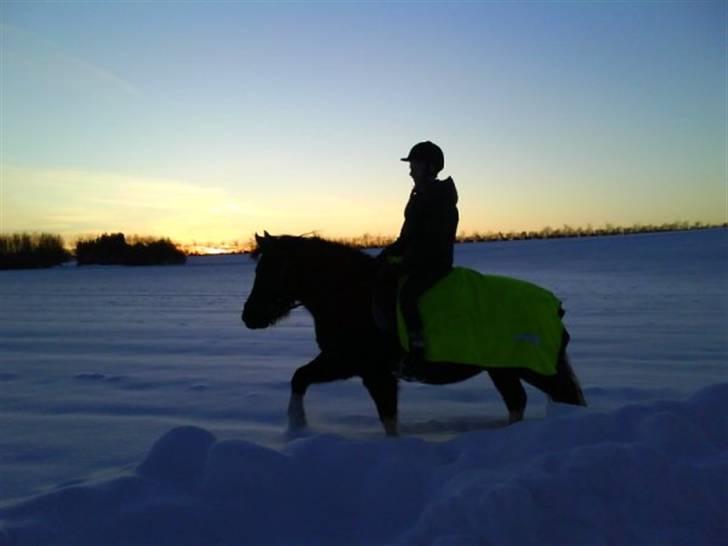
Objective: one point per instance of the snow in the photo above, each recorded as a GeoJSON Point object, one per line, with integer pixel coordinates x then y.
{"type": "Point", "coordinates": [137, 410]}
{"type": "Point", "coordinates": [644, 474]}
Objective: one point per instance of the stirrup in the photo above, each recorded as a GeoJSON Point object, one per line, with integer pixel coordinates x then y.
{"type": "Point", "coordinates": [416, 342]}
{"type": "Point", "coordinates": [410, 362]}
{"type": "Point", "coordinates": [403, 370]}
{"type": "Point", "coordinates": [382, 320]}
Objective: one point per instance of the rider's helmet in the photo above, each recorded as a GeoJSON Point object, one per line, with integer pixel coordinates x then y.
{"type": "Point", "coordinates": [429, 152]}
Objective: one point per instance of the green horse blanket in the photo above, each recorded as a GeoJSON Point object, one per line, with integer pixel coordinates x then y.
{"type": "Point", "coordinates": [489, 321]}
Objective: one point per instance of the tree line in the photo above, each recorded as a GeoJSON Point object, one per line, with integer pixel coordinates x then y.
{"type": "Point", "coordinates": [379, 241]}
{"type": "Point", "coordinates": [35, 250]}
{"type": "Point", "coordinates": [31, 250]}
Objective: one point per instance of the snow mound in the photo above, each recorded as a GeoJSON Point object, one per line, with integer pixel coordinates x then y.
{"type": "Point", "coordinates": [644, 474]}
{"type": "Point", "coordinates": [179, 455]}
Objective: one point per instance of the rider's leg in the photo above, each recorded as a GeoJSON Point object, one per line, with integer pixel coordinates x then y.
{"type": "Point", "coordinates": [409, 297]}
{"type": "Point", "coordinates": [416, 285]}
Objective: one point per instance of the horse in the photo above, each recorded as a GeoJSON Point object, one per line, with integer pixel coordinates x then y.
{"type": "Point", "coordinates": [335, 282]}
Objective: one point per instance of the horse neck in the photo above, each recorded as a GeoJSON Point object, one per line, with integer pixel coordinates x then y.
{"type": "Point", "coordinates": [335, 286]}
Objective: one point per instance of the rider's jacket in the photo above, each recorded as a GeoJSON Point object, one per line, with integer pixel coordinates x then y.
{"type": "Point", "coordinates": [428, 234]}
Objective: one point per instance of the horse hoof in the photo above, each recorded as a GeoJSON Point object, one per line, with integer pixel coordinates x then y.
{"type": "Point", "coordinates": [391, 429]}
{"type": "Point", "coordinates": [296, 413]}
{"type": "Point", "coordinates": [297, 433]}
{"type": "Point", "coordinates": [297, 422]}
{"type": "Point", "coordinates": [515, 417]}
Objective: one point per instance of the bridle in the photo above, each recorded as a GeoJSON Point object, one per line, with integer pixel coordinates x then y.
{"type": "Point", "coordinates": [287, 308]}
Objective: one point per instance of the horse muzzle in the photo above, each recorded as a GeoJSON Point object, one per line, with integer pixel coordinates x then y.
{"type": "Point", "coordinates": [252, 320]}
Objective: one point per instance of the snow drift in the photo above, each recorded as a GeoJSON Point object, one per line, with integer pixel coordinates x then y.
{"type": "Point", "coordinates": [653, 473]}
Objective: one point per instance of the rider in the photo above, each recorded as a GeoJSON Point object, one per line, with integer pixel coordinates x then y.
{"type": "Point", "coordinates": [424, 249]}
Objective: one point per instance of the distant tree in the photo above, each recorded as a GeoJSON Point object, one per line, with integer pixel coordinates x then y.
{"type": "Point", "coordinates": [32, 250]}
{"type": "Point", "coordinates": [113, 249]}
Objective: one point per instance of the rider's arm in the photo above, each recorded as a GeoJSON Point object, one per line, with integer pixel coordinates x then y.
{"type": "Point", "coordinates": [431, 246]}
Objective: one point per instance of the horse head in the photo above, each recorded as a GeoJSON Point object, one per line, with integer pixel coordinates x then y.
{"type": "Point", "coordinates": [274, 292]}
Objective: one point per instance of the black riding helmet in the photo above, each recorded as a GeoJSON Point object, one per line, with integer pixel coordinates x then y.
{"type": "Point", "coordinates": [429, 152]}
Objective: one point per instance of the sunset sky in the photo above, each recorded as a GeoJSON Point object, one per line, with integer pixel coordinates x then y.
{"type": "Point", "coordinates": [207, 121]}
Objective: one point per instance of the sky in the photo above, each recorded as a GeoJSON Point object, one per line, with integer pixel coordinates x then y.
{"type": "Point", "coordinates": [209, 121]}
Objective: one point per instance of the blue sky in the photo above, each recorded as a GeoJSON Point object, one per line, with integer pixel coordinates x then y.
{"type": "Point", "coordinates": [209, 121]}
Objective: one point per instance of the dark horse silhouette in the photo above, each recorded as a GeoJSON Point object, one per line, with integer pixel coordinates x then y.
{"type": "Point", "coordinates": [334, 282]}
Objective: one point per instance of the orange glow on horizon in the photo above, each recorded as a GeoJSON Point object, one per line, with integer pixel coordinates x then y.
{"type": "Point", "coordinates": [208, 250]}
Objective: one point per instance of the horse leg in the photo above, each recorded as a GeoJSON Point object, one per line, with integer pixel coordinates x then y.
{"type": "Point", "coordinates": [321, 369]}
{"type": "Point", "coordinates": [513, 394]}
{"type": "Point", "coordinates": [382, 387]}
{"type": "Point", "coordinates": [566, 386]}
{"type": "Point", "coordinates": [561, 387]}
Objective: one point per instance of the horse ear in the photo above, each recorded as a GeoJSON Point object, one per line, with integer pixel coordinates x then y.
{"type": "Point", "coordinates": [266, 233]}
{"type": "Point", "coordinates": [260, 240]}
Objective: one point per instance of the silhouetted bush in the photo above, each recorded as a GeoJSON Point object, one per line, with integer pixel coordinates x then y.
{"type": "Point", "coordinates": [114, 249]}
{"type": "Point", "coordinates": [32, 250]}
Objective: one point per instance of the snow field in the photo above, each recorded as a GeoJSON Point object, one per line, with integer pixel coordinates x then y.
{"type": "Point", "coordinates": [136, 411]}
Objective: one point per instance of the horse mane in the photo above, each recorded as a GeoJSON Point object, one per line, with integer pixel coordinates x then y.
{"type": "Point", "coordinates": [316, 248]}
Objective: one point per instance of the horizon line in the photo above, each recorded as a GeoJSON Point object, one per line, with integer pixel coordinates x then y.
{"type": "Point", "coordinates": [368, 240]}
